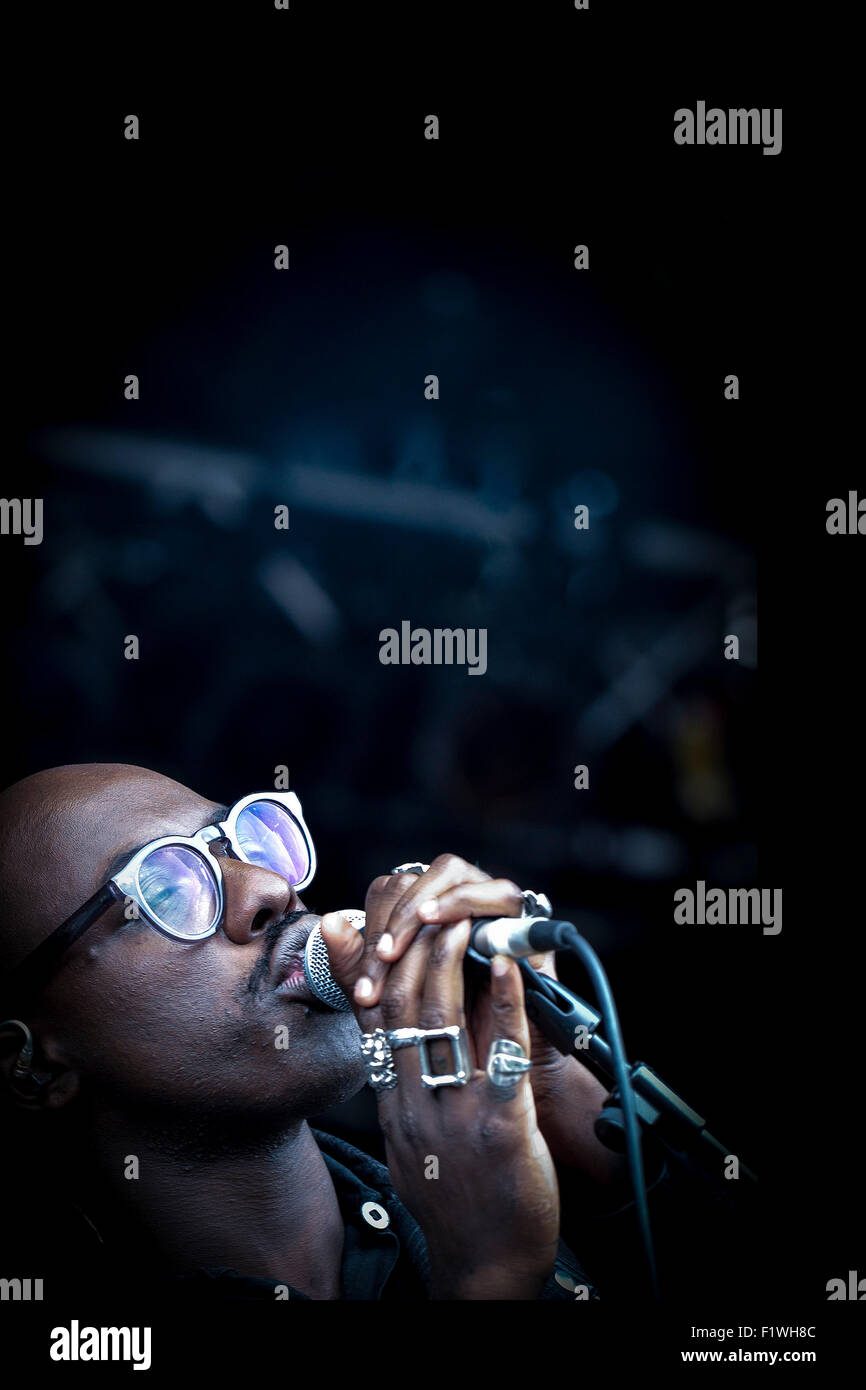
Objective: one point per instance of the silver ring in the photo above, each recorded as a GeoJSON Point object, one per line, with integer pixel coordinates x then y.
{"type": "Point", "coordinates": [380, 1064]}
{"type": "Point", "coordinates": [414, 868]}
{"type": "Point", "coordinates": [535, 904]}
{"type": "Point", "coordinates": [421, 1038]}
{"type": "Point", "coordinates": [506, 1063]}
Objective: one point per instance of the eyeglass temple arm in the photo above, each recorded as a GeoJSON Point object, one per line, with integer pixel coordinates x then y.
{"type": "Point", "coordinates": [69, 931]}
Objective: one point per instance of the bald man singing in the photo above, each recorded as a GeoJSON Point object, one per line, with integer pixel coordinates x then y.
{"type": "Point", "coordinates": [162, 1055]}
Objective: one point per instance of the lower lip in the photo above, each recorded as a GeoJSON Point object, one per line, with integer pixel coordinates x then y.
{"type": "Point", "coordinates": [295, 986]}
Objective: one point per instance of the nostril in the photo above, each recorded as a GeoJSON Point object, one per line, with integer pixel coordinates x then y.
{"type": "Point", "coordinates": [260, 922]}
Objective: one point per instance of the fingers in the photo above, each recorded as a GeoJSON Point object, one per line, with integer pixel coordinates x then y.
{"type": "Point", "coordinates": [495, 897]}
{"type": "Point", "coordinates": [397, 920]}
{"type": "Point", "coordinates": [423, 990]}
{"type": "Point", "coordinates": [506, 1000]}
{"type": "Point", "coordinates": [400, 1004]}
{"type": "Point", "coordinates": [400, 1110]}
{"type": "Point", "coordinates": [382, 896]}
{"type": "Point", "coordinates": [443, 1002]}
{"type": "Point", "coordinates": [503, 1005]}
{"type": "Point", "coordinates": [345, 946]}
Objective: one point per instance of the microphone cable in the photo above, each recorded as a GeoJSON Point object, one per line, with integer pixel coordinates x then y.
{"type": "Point", "coordinates": [569, 938]}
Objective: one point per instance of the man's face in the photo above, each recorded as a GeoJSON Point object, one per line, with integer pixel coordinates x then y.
{"type": "Point", "coordinates": [142, 1018]}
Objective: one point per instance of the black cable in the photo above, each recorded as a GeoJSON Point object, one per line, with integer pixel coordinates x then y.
{"type": "Point", "coordinates": [571, 938]}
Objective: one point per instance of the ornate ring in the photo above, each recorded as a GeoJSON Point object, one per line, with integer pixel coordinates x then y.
{"type": "Point", "coordinates": [414, 868]}
{"type": "Point", "coordinates": [536, 904]}
{"type": "Point", "coordinates": [506, 1063]}
{"type": "Point", "coordinates": [380, 1064]}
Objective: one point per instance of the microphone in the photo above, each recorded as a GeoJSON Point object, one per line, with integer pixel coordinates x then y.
{"type": "Point", "coordinates": [491, 936]}
{"type": "Point", "coordinates": [317, 966]}
{"type": "Point", "coordinates": [517, 936]}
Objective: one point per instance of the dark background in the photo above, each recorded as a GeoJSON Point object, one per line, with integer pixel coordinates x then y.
{"type": "Point", "coordinates": [305, 387]}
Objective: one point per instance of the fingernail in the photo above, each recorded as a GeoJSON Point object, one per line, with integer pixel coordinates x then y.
{"type": "Point", "coordinates": [499, 965]}
{"type": "Point", "coordinates": [333, 921]}
{"type": "Point", "coordinates": [429, 908]}
{"type": "Point", "coordinates": [386, 944]}
{"type": "Point", "coordinates": [363, 987]}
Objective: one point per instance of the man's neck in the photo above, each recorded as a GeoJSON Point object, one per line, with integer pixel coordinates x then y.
{"type": "Point", "coordinates": [270, 1212]}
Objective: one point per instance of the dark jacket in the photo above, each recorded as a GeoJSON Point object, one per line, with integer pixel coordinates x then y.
{"type": "Point", "coordinates": [385, 1256]}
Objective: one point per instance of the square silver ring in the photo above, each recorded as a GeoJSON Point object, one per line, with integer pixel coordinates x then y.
{"type": "Point", "coordinates": [459, 1055]}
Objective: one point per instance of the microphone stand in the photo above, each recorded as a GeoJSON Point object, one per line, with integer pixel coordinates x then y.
{"type": "Point", "coordinates": [558, 1013]}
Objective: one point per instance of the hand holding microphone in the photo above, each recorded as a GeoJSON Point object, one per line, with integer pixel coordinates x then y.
{"type": "Point", "coordinates": [567, 1096]}
{"type": "Point", "coordinates": [375, 966]}
{"type": "Point", "coordinates": [533, 937]}
{"type": "Point", "coordinates": [517, 934]}
{"type": "Point", "coordinates": [524, 937]}
{"type": "Point", "coordinates": [455, 1091]}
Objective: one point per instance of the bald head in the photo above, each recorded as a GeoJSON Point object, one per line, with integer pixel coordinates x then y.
{"type": "Point", "coordinates": [62, 828]}
{"type": "Point", "coordinates": [137, 1020]}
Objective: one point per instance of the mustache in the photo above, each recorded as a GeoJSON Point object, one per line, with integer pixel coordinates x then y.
{"type": "Point", "coordinates": [273, 934]}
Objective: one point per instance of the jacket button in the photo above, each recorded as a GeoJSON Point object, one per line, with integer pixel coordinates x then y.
{"type": "Point", "coordinates": [375, 1216]}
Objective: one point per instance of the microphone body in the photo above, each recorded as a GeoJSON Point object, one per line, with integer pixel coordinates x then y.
{"type": "Point", "coordinates": [491, 936]}
{"type": "Point", "coordinates": [517, 936]}
{"type": "Point", "coordinates": [317, 966]}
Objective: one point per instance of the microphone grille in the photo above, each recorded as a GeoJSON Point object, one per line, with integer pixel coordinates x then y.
{"type": "Point", "coordinates": [317, 966]}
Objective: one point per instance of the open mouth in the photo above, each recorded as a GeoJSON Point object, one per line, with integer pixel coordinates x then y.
{"type": "Point", "coordinates": [290, 981]}
{"type": "Point", "coordinates": [293, 984]}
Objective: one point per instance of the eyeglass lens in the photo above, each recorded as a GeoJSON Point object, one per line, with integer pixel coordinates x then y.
{"type": "Point", "coordinates": [267, 835]}
{"type": "Point", "coordinates": [179, 889]}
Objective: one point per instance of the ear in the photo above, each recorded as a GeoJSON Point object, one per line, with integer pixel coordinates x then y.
{"type": "Point", "coordinates": [34, 1077]}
